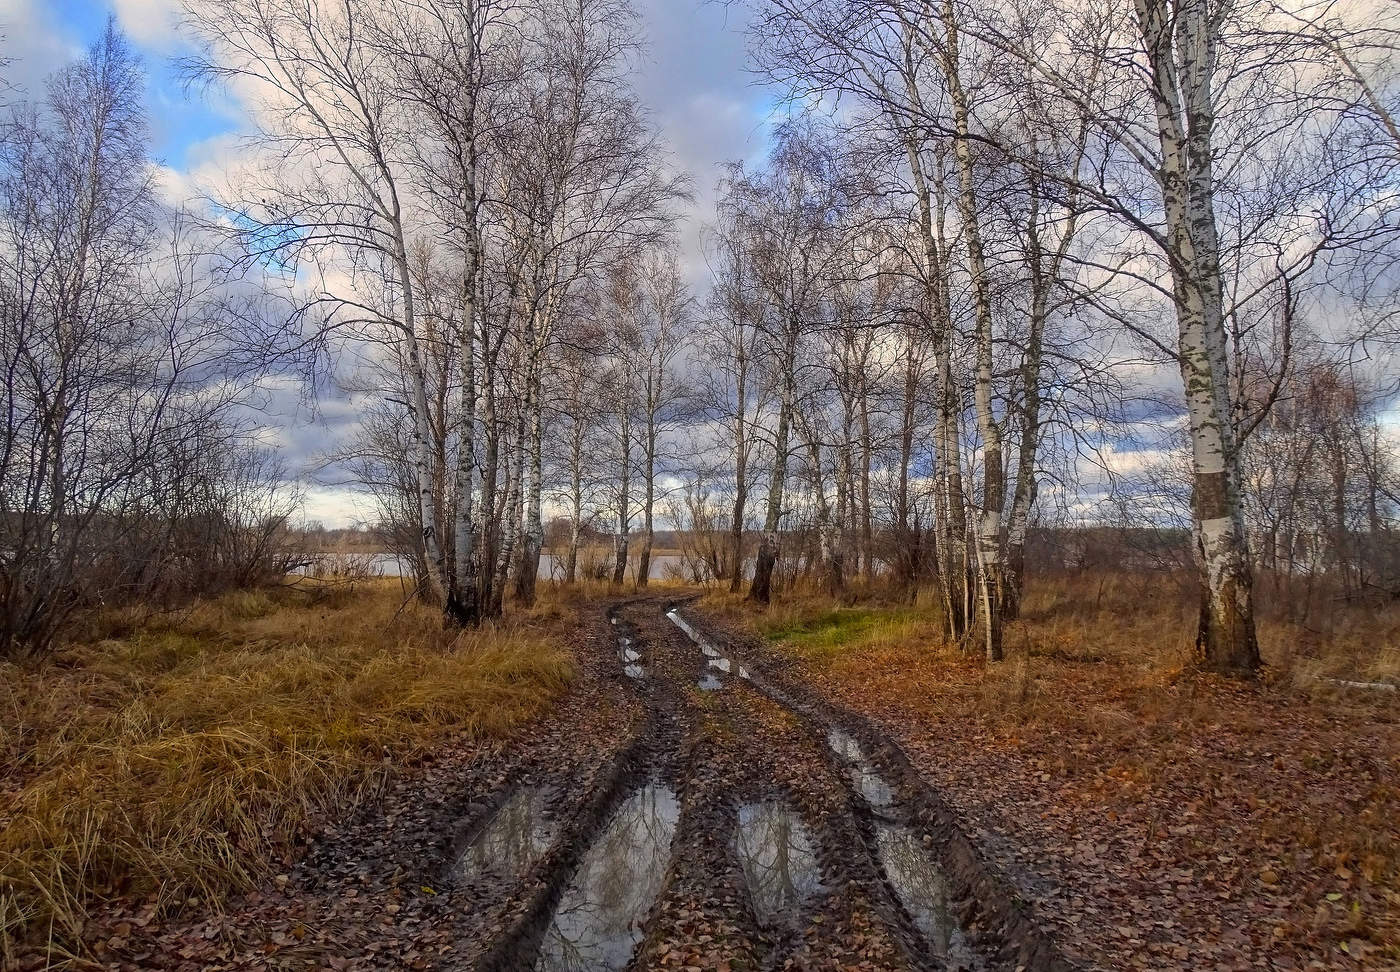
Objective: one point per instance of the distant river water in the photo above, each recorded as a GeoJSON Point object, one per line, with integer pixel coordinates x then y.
{"type": "Point", "coordinates": [663, 566]}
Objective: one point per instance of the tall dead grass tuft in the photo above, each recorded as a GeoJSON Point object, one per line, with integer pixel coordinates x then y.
{"type": "Point", "coordinates": [179, 761]}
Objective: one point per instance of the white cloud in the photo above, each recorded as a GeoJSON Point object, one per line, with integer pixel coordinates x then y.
{"type": "Point", "coordinates": [33, 44]}
{"type": "Point", "coordinates": [150, 23]}
{"type": "Point", "coordinates": [336, 507]}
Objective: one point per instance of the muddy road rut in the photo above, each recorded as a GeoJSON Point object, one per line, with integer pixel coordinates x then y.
{"type": "Point", "coordinates": [684, 807]}
{"type": "Point", "coordinates": [741, 824]}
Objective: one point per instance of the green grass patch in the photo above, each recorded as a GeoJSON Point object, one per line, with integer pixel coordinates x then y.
{"type": "Point", "coordinates": [825, 635]}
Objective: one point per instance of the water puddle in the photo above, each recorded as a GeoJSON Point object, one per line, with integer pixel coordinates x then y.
{"type": "Point", "coordinates": [715, 658]}
{"type": "Point", "coordinates": [514, 839]}
{"type": "Point", "coordinates": [631, 658]}
{"type": "Point", "coordinates": [923, 890]}
{"type": "Point", "coordinates": [780, 865]}
{"type": "Point", "coordinates": [871, 784]}
{"type": "Point", "coordinates": [599, 919]}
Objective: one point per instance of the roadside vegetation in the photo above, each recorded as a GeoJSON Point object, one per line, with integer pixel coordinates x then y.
{"type": "Point", "coordinates": [175, 759]}
{"type": "Point", "coordinates": [1153, 792]}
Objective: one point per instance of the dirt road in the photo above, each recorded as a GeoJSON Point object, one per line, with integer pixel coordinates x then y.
{"type": "Point", "coordinates": [686, 808]}
{"type": "Point", "coordinates": [748, 826]}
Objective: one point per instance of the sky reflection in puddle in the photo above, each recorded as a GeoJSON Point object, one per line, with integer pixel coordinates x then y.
{"type": "Point", "coordinates": [513, 840]}
{"type": "Point", "coordinates": [780, 866]}
{"type": "Point", "coordinates": [715, 658]}
{"type": "Point", "coordinates": [923, 890]}
{"type": "Point", "coordinates": [872, 786]}
{"type": "Point", "coordinates": [599, 919]}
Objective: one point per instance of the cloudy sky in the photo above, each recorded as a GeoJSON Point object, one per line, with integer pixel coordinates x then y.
{"type": "Point", "coordinates": [693, 80]}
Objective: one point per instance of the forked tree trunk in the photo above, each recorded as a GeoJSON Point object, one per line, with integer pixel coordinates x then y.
{"type": "Point", "coordinates": [989, 532]}
{"type": "Point", "coordinates": [950, 527]}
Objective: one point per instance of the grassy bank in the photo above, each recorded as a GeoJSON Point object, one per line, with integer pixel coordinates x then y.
{"type": "Point", "coordinates": [177, 759]}
{"type": "Point", "coordinates": [1177, 813]}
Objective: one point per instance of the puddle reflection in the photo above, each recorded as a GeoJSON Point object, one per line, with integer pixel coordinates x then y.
{"type": "Point", "coordinates": [599, 918]}
{"type": "Point", "coordinates": [779, 863]}
{"type": "Point", "coordinates": [631, 658]}
{"type": "Point", "coordinates": [715, 658]}
{"type": "Point", "coordinates": [514, 839]}
{"type": "Point", "coordinates": [871, 784]}
{"type": "Point", "coordinates": [923, 890]}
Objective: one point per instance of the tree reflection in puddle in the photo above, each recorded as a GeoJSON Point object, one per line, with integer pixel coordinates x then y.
{"type": "Point", "coordinates": [779, 863]}
{"type": "Point", "coordinates": [923, 890]}
{"type": "Point", "coordinates": [514, 839]}
{"type": "Point", "coordinates": [599, 919]}
{"type": "Point", "coordinates": [872, 786]}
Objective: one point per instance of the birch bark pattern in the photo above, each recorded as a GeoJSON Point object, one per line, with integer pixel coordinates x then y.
{"type": "Point", "coordinates": [761, 588]}
{"type": "Point", "coordinates": [1225, 639]}
{"type": "Point", "coordinates": [989, 532]}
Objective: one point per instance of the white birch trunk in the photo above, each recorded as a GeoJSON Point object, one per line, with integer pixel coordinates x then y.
{"type": "Point", "coordinates": [1185, 119]}
{"type": "Point", "coordinates": [990, 538]}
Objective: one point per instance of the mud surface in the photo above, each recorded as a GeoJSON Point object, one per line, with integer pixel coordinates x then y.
{"type": "Point", "coordinates": [683, 809]}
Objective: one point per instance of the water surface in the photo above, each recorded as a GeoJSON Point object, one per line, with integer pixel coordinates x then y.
{"type": "Point", "coordinates": [922, 888]}
{"type": "Point", "coordinates": [599, 919]}
{"type": "Point", "coordinates": [871, 784]}
{"type": "Point", "coordinates": [514, 839]}
{"type": "Point", "coordinates": [779, 863]}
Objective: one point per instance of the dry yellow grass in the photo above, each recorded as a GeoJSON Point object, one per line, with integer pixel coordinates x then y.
{"type": "Point", "coordinates": [180, 758]}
